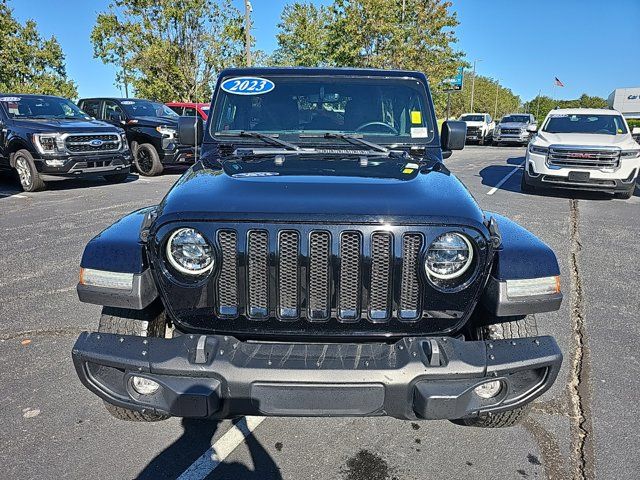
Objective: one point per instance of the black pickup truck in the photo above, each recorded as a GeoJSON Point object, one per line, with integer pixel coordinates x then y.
{"type": "Point", "coordinates": [46, 138]}
{"type": "Point", "coordinates": [150, 127]}
{"type": "Point", "coordinates": [319, 260]}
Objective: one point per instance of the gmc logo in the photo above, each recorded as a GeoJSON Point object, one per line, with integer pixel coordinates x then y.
{"type": "Point", "coordinates": [581, 155]}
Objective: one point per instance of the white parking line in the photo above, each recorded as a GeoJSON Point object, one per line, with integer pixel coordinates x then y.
{"type": "Point", "coordinates": [507, 177]}
{"type": "Point", "coordinates": [226, 444]}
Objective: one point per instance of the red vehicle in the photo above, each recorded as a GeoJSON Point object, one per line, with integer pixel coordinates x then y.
{"type": "Point", "coordinates": [188, 109]}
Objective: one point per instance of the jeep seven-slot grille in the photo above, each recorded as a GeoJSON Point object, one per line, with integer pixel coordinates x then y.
{"type": "Point", "coordinates": [316, 276]}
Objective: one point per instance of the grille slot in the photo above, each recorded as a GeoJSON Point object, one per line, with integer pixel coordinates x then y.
{"type": "Point", "coordinates": [288, 275]}
{"type": "Point", "coordinates": [410, 284]}
{"type": "Point", "coordinates": [228, 278]}
{"type": "Point", "coordinates": [319, 271]}
{"type": "Point", "coordinates": [258, 274]}
{"type": "Point", "coordinates": [82, 143]}
{"type": "Point", "coordinates": [349, 282]}
{"type": "Point", "coordinates": [379, 290]}
{"type": "Point", "coordinates": [583, 158]}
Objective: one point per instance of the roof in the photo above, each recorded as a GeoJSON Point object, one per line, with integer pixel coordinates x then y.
{"type": "Point", "coordinates": [584, 111]}
{"type": "Point", "coordinates": [188, 104]}
{"type": "Point", "coordinates": [117, 99]}
{"type": "Point", "coordinates": [311, 71]}
{"type": "Point", "coordinates": [29, 95]}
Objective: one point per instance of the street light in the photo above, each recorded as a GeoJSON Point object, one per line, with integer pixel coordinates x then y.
{"type": "Point", "coordinates": [473, 83]}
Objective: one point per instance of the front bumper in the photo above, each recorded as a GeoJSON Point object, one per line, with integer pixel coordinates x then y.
{"type": "Point", "coordinates": [222, 377]}
{"type": "Point", "coordinates": [509, 138]}
{"type": "Point", "coordinates": [176, 153]}
{"type": "Point", "coordinates": [85, 165]}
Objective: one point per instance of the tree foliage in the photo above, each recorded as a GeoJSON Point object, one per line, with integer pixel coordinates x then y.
{"type": "Point", "coordinates": [28, 62]}
{"type": "Point", "coordinates": [541, 105]}
{"type": "Point", "coordinates": [371, 33]}
{"type": "Point", "coordinates": [169, 49]}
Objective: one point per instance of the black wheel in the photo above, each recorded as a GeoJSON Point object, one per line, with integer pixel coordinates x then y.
{"type": "Point", "coordinates": [29, 177]}
{"type": "Point", "coordinates": [524, 186]}
{"type": "Point", "coordinates": [146, 160]}
{"type": "Point", "coordinates": [527, 327]}
{"type": "Point", "coordinates": [116, 178]}
{"type": "Point", "coordinates": [142, 323]}
{"type": "Point", "coordinates": [481, 141]}
{"type": "Point", "coordinates": [627, 194]}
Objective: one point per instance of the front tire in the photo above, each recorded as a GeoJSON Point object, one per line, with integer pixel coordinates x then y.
{"type": "Point", "coordinates": [147, 160]}
{"type": "Point", "coordinates": [524, 186]}
{"type": "Point", "coordinates": [141, 323]}
{"type": "Point", "coordinates": [526, 327]}
{"type": "Point", "coordinates": [626, 194]}
{"type": "Point", "coordinates": [30, 179]}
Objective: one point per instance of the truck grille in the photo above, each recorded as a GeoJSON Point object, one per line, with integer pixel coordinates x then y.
{"type": "Point", "coordinates": [316, 275]}
{"type": "Point", "coordinates": [78, 143]}
{"type": "Point", "coordinates": [510, 131]}
{"type": "Point", "coordinates": [473, 130]}
{"type": "Point", "coordinates": [598, 157]}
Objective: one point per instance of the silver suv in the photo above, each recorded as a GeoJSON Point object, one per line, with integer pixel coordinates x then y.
{"type": "Point", "coordinates": [513, 129]}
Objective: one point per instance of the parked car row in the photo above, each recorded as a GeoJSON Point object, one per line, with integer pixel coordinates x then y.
{"type": "Point", "coordinates": [45, 138]}
{"type": "Point", "coordinates": [513, 128]}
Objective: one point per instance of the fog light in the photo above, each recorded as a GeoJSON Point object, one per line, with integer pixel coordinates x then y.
{"type": "Point", "coordinates": [55, 163]}
{"type": "Point", "coordinates": [144, 386]}
{"type": "Point", "coordinates": [488, 389]}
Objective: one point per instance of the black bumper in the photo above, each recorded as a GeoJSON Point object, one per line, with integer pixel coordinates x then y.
{"type": "Point", "coordinates": [222, 377]}
{"type": "Point", "coordinates": [83, 166]}
{"type": "Point", "coordinates": [175, 153]}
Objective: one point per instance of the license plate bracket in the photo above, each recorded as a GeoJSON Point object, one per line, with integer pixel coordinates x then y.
{"type": "Point", "coordinates": [580, 177]}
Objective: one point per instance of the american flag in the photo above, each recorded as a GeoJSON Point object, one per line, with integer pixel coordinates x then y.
{"type": "Point", "coordinates": [558, 83]}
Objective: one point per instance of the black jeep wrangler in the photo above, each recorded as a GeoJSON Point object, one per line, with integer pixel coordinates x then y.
{"type": "Point", "coordinates": [319, 260]}
{"type": "Point", "coordinates": [46, 138]}
{"type": "Point", "coordinates": [150, 127]}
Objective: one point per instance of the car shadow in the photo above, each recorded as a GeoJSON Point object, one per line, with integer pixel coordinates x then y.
{"type": "Point", "coordinates": [493, 175]}
{"type": "Point", "coordinates": [195, 441]}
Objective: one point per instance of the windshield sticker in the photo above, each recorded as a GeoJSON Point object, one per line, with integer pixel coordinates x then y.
{"type": "Point", "coordinates": [10, 99]}
{"type": "Point", "coordinates": [128, 102]}
{"type": "Point", "coordinates": [247, 86]}
{"type": "Point", "coordinates": [416, 117]}
{"type": "Point", "coordinates": [419, 132]}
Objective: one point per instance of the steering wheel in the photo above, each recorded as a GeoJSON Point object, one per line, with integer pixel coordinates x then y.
{"type": "Point", "coordinates": [381, 124]}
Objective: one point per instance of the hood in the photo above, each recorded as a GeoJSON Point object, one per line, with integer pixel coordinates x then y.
{"type": "Point", "coordinates": [63, 125]}
{"type": "Point", "coordinates": [513, 125]}
{"type": "Point", "coordinates": [307, 188]}
{"type": "Point", "coordinates": [474, 124]}
{"type": "Point", "coordinates": [583, 139]}
{"type": "Point", "coordinates": [156, 121]}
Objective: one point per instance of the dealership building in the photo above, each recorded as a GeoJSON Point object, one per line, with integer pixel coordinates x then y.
{"type": "Point", "coordinates": [626, 101]}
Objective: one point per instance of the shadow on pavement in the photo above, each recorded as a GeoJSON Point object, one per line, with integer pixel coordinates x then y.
{"type": "Point", "coordinates": [194, 442]}
{"type": "Point", "coordinates": [493, 174]}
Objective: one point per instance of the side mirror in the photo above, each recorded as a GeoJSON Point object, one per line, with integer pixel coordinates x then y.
{"type": "Point", "coordinates": [116, 117]}
{"type": "Point", "coordinates": [453, 136]}
{"type": "Point", "coordinates": [190, 130]}
{"type": "Point", "coordinates": [532, 128]}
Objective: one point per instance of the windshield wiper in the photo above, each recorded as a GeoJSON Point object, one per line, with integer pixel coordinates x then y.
{"type": "Point", "coordinates": [356, 140]}
{"type": "Point", "coordinates": [261, 136]}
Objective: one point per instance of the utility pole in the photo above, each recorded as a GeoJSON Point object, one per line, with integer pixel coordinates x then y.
{"type": "Point", "coordinates": [247, 31]}
{"type": "Point", "coordinates": [538, 107]}
{"type": "Point", "coordinates": [473, 84]}
{"type": "Point", "coordinates": [495, 110]}
{"type": "Point", "coordinates": [404, 4]}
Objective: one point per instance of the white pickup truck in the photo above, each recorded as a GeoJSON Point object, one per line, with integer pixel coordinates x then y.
{"type": "Point", "coordinates": [586, 149]}
{"type": "Point", "coordinates": [479, 127]}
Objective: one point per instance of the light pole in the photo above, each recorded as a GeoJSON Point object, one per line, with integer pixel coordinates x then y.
{"type": "Point", "coordinates": [473, 83]}
{"type": "Point", "coordinates": [247, 31]}
{"type": "Point", "coordinates": [495, 110]}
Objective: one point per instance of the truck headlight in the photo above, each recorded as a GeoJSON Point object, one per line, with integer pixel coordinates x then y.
{"type": "Point", "coordinates": [167, 132]}
{"type": "Point", "coordinates": [189, 253]}
{"type": "Point", "coordinates": [538, 150]}
{"type": "Point", "coordinates": [630, 154]}
{"type": "Point", "coordinates": [48, 142]}
{"type": "Point", "coordinates": [449, 256]}
{"type": "Point", "coordinates": [123, 141]}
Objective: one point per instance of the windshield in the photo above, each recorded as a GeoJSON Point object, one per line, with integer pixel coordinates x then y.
{"type": "Point", "coordinates": [602, 124]}
{"type": "Point", "coordinates": [145, 108]}
{"type": "Point", "coordinates": [472, 118]}
{"type": "Point", "coordinates": [388, 110]}
{"type": "Point", "coordinates": [516, 119]}
{"type": "Point", "coordinates": [41, 107]}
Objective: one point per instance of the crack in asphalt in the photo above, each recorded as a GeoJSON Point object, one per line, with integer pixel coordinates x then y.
{"type": "Point", "coordinates": [578, 388]}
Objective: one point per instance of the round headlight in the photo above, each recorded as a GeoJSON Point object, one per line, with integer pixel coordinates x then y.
{"type": "Point", "coordinates": [188, 252]}
{"type": "Point", "coordinates": [449, 256]}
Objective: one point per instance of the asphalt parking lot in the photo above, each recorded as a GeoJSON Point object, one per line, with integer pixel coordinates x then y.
{"type": "Point", "coordinates": [585, 427]}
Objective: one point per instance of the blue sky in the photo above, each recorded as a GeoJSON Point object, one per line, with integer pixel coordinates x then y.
{"type": "Point", "coordinates": [525, 44]}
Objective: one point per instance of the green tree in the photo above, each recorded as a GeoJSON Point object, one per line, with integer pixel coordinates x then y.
{"type": "Point", "coordinates": [169, 49]}
{"type": "Point", "coordinates": [303, 36]}
{"type": "Point", "coordinates": [29, 63]}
